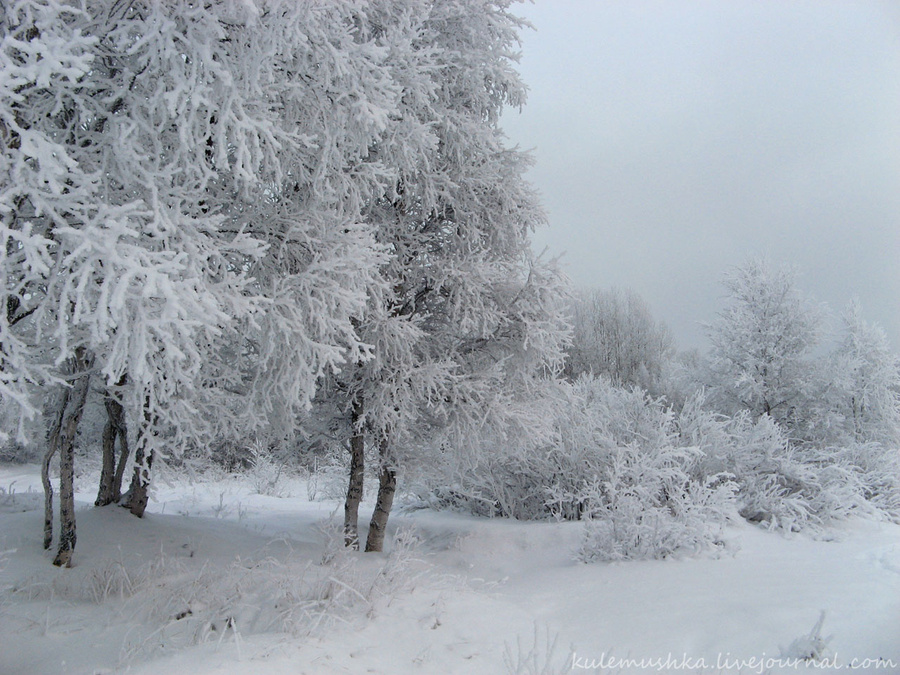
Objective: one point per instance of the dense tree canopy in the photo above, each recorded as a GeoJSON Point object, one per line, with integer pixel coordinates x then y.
{"type": "Point", "coordinates": [185, 196]}
{"type": "Point", "coordinates": [216, 206]}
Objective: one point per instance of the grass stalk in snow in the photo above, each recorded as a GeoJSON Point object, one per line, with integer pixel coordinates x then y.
{"type": "Point", "coordinates": [539, 658]}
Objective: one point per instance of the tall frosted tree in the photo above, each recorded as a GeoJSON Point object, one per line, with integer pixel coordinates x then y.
{"type": "Point", "coordinates": [213, 208]}
{"type": "Point", "coordinates": [467, 318]}
{"type": "Point", "coordinates": [865, 382]}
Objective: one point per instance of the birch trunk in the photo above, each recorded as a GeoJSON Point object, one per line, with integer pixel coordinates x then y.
{"type": "Point", "coordinates": [52, 443]}
{"type": "Point", "coordinates": [64, 440]}
{"type": "Point", "coordinates": [110, 490]}
{"type": "Point", "coordinates": [108, 466]}
{"type": "Point", "coordinates": [354, 491]}
{"type": "Point", "coordinates": [139, 492]}
{"type": "Point", "coordinates": [387, 486]}
{"type": "Point", "coordinates": [124, 453]}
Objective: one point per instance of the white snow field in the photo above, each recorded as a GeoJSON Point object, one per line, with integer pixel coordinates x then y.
{"type": "Point", "coordinates": [217, 579]}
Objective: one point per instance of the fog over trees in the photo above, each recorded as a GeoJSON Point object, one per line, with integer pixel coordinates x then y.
{"type": "Point", "coordinates": [298, 228]}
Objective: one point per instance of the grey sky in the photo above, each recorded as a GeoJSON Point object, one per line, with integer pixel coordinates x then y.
{"type": "Point", "coordinates": [675, 139]}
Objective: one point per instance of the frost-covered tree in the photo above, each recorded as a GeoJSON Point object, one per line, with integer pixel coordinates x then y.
{"type": "Point", "coordinates": [864, 382]}
{"type": "Point", "coordinates": [43, 59]}
{"type": "Point", "coordinates": [853, 422]}
{"type": "Point", "coordinates": [761, 344]}
{"type": "Point", "coordinates": [614, 335]}
{"type": "Point", "coordinates": [182, 198]}
{"type": "Point", "coordinates": [467, 318]}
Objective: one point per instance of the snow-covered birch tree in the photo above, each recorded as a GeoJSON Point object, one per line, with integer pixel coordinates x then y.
{"type": "Point", "coordinates": [761, 344]}
{"type": "Point", "coordinates": [864, 383]}
{"type": "Point", "coordinates": [218, 205]}
{"type": "Point", "coordinates": [181, 204]}
{"type": "Point", "coordinates": [468, 318]}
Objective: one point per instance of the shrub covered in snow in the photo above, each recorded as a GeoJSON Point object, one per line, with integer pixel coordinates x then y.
{"type": "Point", "coordinates": [788, 485]}
{"type": "Point", "coordinates": [649, 481]}
{"type": "Point", "coordinates": [618, 463]}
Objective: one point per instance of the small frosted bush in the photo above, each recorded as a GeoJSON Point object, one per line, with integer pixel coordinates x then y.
{"type": "Point", "coordinates": [266, 471]}
{"type": "Point", "coordinates": [651, 507]}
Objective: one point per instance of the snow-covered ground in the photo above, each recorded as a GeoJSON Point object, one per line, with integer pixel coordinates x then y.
{"type": "Point", "coordinates": [216, 579]}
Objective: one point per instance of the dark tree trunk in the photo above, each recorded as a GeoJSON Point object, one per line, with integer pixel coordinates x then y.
{"type": "Point", "coordinates": [64, 440]}
{"type": "Point", "coordinates": [52, 442]}
{"type": "Point", "coordinates": [110, 490]}
{"type": "Point", "coordinates": [139, 492]}
{"type": "Point", "coordinates": [387, 486]}
{"type": "Point", "coordinates": [354, 491]}
{"type": "Point", "coordinates": [124, 453]}
{"type": "Point", "coordinates": [108, 466]}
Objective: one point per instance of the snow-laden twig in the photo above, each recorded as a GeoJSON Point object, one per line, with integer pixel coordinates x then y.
{"type": "Point", "coordinates": [811, 647]}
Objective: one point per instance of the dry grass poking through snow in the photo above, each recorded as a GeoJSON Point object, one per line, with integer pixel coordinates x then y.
{"type": "Point", "coordinates": [172, 601]}
{"type": "Point", "coordinates": [271, 595]}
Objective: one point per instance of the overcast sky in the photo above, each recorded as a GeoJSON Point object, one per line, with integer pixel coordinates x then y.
{"type": "Point", "coordinates": [676, 139]}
